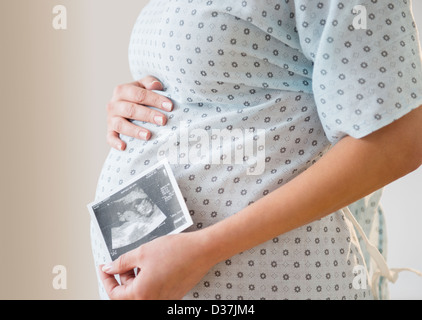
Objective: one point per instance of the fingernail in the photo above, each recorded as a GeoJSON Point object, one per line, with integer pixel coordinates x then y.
{"type": "Point", "coordinates": [155, 81]}
{"type": "Point", "coordinates": [143, 135]}
{"type": "Point", "coordinates": [167, 105]}
{"type": "Point", "coordinates": [106, 267]}
{"type": "Point", "coordinates": [159, 120]}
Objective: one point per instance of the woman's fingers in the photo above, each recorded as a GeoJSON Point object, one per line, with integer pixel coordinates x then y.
{"type": "Point", "coordinates": [130, 110]}
{"type": "Point", "coordinates": [118, 114]}
{"type": "Point", "coordinates": [127, 277]}
{"type": "Point", "coordinates": [114, 290]}
{"type": "Point", "coordinates": [114, 141]}
{"type": "Point", "coordinates": [119, 125]}
{"type": "Point", "coordinates": [150, 83]}
{"type": "Point", "coordinates": [141, 96]}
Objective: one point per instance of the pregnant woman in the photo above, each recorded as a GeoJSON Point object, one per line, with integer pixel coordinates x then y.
{"type": "Point", "coordinates": [282, 121]}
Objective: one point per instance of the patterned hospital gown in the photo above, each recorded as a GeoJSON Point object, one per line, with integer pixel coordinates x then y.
{"type": "Point", "coordinates": [305, 73]}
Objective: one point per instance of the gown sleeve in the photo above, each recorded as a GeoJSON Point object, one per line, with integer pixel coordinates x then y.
{"type": "Point", "coordinates": [367, 62]}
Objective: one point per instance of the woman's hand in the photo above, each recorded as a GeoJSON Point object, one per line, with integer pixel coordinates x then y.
{"type": "Point", "coordinates": [168, 268]}
{"type": "Point", "coordinates": [133, 101]}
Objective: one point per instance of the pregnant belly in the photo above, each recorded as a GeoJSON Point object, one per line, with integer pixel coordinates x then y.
{"type": "Point", "coordinates": [223, 157]}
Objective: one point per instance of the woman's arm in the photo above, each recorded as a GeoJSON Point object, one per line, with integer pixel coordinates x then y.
{"type": "Point", "coordinates": [170, 266]}
{"type": "Point", "coordinates": [352, 169]}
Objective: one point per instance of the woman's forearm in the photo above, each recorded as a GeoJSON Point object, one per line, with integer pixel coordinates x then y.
{"type": "Point", "coordinates": [352, 169]}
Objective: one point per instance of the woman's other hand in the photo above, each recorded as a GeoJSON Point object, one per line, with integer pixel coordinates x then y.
{"type": "Point", "coordinates": [134, 101]}
{"type": "Point", "coordinates": [168, 267]}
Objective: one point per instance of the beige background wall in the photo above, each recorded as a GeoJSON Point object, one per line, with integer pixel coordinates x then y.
{"type": "Point", "coordinates": [54, 88]}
